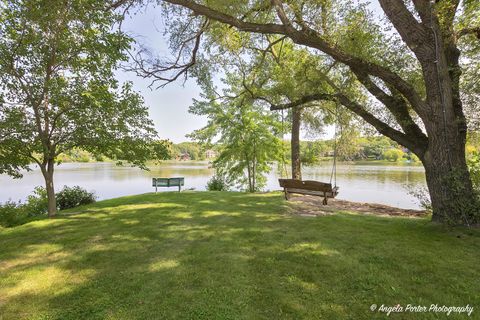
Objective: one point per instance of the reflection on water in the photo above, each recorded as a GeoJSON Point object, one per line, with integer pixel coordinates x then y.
{"type": "Point", "coordinates": [363, 182]}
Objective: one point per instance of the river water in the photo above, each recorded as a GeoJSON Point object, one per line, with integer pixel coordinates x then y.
{"type": "Point", "coordinates": [365, 182]}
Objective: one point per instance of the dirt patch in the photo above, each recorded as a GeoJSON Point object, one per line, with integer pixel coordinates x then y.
{"type": "Point", "coordinates": [308, 206]}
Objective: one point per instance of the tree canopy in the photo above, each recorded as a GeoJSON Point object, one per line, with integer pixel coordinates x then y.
{"type": "Point", "coordinates": [58, 90]}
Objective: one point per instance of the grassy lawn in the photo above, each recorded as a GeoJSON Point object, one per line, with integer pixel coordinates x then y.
{"type": "Point", "coordinates": [200, 255]}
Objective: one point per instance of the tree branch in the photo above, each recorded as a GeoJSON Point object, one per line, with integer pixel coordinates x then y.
{"type": "Point", "coordinates": [157, 71]}
{"type": "Point", "coordinates": [396, 105]}
{"type": "Point", "coordinates": [474, 31]}
{"type": "Point", "coordinates": [381, 126]}
{"type": "Point", "coordinates": [311, 38]}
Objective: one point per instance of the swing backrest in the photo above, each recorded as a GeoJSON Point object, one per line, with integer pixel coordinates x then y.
{"type": "Point", "coordinates": [306, 185]}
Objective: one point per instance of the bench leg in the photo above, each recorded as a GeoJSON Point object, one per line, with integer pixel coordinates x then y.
{"type": "Point", "coordinates": [325, 201]}
{"type": "Point", "coordinates": [156, 189]}
{"type": "Point", "coordinates": [179, 188]}
{"type": "Point", "coordinates": [286, 194]}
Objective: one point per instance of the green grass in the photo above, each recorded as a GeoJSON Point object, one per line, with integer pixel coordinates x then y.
{"type": "Point", "coordinates": [200, 255]}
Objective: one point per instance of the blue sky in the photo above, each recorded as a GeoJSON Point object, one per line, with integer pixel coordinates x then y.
{"type": "Point", "coordinates": [169, 105]}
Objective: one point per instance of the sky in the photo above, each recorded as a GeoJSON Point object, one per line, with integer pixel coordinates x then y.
{"type": "Point", "coordinates": [168, 106]}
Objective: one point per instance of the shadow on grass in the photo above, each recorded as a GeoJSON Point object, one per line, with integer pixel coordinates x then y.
{"type": "Point", "coordinates": [228, 256]}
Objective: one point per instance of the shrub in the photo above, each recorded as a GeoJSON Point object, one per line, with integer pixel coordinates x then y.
{"type": "Point", "coordinates": [37, 203]}
{"type": "Point", "coordinates": [217, 183]}
{"type": "Point", "coordinates": [414, 158]}
{"type": "Point", "coordinates": [474, 168]}
{"type": "Point", "coordinates": [393, 155]}
{"type": "Point", "coordinates": [70, 197]}
{"type": "Point", "coordinates": [12, 214]}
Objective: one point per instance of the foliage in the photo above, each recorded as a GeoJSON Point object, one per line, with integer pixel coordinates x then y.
{"type": "Point", "coordinates": [17, 213]}
{"type": "Point", "coordinates": [474, 167]}
{"type": "Point", "coordinates": [217, 183]}
{"type": "Point", "coordinates": [230, 255]}
{"type": "Point", "coordinates": [393, 154]}
{"type": "Point", "coordinates": [247, 140]}
{"type": "Point", "coordinates": [423, 197]}
{"type": "Point", "coordinates": [193, 149]}
{"type": "Point", "coordinates": [348, 145]}
{"type": "Point", "coordinates": [71, 197]}
{"type": "Point", "coordinates": [374, 147]}
{"type": "Point", "coordinates": [12, 214]}
{"type": "Point", "coordinates": [76, 155]}
{"type": "Point", "coordinates": [246, 135]}
{"type": "Point", "coordinates": [248, 146]}
{"type": "Point", "coordinates": [361, 148]}
{"type": "Point", "coordinates": [57, 62]}
{"type": "Point", "coordinates": [37, 203]}
{"type": "Point", "coordinates": [311, 152]}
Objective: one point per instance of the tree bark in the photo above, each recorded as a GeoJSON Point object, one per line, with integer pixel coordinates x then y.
{"type": "Point", "coordinates": [449, 184]}
{"type": "Point", "coordinates": [295, 144]}
{"type": "Point", "coordinates": [47, 171]}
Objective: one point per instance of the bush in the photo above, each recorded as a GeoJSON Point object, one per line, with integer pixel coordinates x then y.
{"type": "Point", "coordinates": [15, 213]}
{"type": "Point", "coordinates": [393, 155]}
{"type": "Point", "coordinates": [37, 203]}
{"type": "Point", "coordinates": [217, 183]}
{"type": "Point", "coordinates": [70, 197]}
{"type": "Point", "coordinates": [12, 214]}
{"type": "Point", "coordinates": [474, 168]}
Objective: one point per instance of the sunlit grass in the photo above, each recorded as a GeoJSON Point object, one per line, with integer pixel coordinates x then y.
{"type": "Point", "coordinates": [200, 255]}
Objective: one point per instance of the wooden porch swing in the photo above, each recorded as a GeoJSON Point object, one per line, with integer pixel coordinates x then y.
{"type": "Point", "coordinates": [311, 187]}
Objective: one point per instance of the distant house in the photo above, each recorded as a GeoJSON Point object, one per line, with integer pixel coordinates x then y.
{"type": "Point", "coordinates": [209, 154]}
{"type": "Point", "coordinates": [184, 157]}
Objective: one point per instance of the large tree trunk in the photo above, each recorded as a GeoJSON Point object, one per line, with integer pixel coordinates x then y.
{"type": "Point", "coordinates": [448, 181]}
{"type": "Point", "coordinates": [47, 172]}
{"type": "Point", "coordinates": [295, 144]}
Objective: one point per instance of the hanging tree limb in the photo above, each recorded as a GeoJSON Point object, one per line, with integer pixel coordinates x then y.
{"type": "Point", "coordinates": [474, 31]}
{"type": "Point", "coordinates": [311, 38]}
{"type": "Point", "coordinates": [355, 107]}
{"type": "Point", "coordinates": [157, 69]}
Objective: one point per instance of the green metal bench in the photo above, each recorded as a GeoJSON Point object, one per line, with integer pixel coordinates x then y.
{"type": "Point", "coordinates": [168, 182]}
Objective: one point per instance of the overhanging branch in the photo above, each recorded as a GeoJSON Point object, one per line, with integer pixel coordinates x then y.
{"type": "Point", "coordinates": [311, 38]}
{"type": "Point", "coordinates": [473, 31]}
{"type": "Point", "coordinates": [175, 69]}
{"type": "Point", "coordinates": [381, 126]}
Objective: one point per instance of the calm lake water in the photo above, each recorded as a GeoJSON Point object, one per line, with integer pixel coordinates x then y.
{"type": "Point", "coordinates": [386, 184]}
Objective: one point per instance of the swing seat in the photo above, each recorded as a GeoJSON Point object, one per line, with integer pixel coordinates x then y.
{"type": "Point", "coordinates": [308, 187]}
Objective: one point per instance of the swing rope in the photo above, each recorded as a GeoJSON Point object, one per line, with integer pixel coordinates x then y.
{"type": "Point", "coordinates": [333, 175]}
{"type": "Point", "coordinates": [284, 172]}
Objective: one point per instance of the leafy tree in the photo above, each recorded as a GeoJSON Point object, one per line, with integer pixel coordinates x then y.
{"type": "Point", "coordinates": [393, 154]}
{"type": "Point", "coordinates": [193, 149]}
{"type": "Point", "coordinates": [407, 71]}
{"type": "Point", "coordinates": [58, 90]}
{"type": "Point", "coordinates": [247, 137]}
{"type": "Point", "coordinates": [374, 147]}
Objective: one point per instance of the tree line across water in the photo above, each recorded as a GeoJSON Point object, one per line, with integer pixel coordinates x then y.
{"type": "Point", "coordinates": [356, 148]}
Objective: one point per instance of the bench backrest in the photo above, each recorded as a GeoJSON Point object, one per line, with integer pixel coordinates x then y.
{"type": "Point", "coordinates": [305, 185]}
{"type": "Point", "coordinates": [168, 182]}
